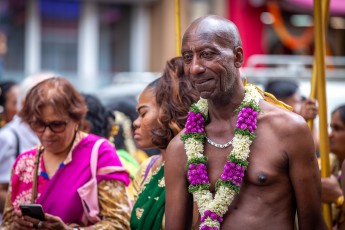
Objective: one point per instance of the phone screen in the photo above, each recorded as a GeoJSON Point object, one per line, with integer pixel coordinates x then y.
{"type": "Point", "coordinates": [33, 210]}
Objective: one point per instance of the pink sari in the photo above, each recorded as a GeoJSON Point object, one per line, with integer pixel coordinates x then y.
{"type": "Point", "coordinates": [59, 195]}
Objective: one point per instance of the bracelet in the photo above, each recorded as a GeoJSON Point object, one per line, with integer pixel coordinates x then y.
{"type": "Point", "coordinates": [340, 201]}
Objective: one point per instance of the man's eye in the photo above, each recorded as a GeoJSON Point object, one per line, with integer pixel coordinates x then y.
{"type": "Point", "coordinates": [187, 58]}
{"type": "Point", "coordinates": [207, 55]}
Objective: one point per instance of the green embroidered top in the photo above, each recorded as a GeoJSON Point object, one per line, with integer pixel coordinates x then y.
{"type": "Point", "coordinates": [148, 210]}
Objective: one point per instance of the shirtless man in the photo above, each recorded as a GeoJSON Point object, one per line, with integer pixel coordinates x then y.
{"type": "Point", "coordinates": [282, 177]}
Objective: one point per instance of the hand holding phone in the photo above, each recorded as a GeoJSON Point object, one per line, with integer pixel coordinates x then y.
{"type": "Point", "coordinates": [33, 210]}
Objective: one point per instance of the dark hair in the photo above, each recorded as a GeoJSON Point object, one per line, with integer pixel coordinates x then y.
{"type": "Point", "coordinates": [281, 89]}
{"type": "Point", "coordinates": [126, 106]}
{"type": "Point", "coordinates": [4, 88]}
{"type": "Point", "coordinates": [174, 95]}
{"type": "Point", "coordinates": [341, 110]}
{"type": "Point", "coordinates": [98, 116]}
{"type": "Point", "coordinates": [57, 92]}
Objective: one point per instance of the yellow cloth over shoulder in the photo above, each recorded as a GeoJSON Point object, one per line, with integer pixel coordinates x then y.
{"type": "Point", "coordinates": [270, 98]}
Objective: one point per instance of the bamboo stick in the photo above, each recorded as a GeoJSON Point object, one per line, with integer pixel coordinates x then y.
{"type": "Point", "coordinates": [178, 27]}
{"type": "Point", "coordinates": [321, 95]}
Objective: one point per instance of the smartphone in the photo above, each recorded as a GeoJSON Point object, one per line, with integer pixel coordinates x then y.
{"type": "Point", "coordinates": [33, 210]}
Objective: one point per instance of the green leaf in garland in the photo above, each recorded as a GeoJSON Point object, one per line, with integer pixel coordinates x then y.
{"type": "Point", "coordinates": [195, 136]}
{"type": "Point", "coordinates": [199, 187]}
{"type": "Point", "coordinates": [245, 133]}
{"type": "Point", "coordinates": [227, 184]}
{"type": "Point", "coordinates": [233, 158]}
{"type": "Point", "coordinates": [196, 161]}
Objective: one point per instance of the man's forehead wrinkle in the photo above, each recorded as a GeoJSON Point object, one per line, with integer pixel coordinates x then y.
{"type": "Point", "coordinates": [206, 39]}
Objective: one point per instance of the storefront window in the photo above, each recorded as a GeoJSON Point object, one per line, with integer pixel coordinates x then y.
{"type": "Point", "coordinates": [12, 22]}
{"type": "Point", "coordinates": [114, 40]}
{"type": "Point", "coordinates": [59, 25]}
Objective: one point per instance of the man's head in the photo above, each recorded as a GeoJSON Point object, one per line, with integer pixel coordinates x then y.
{"type": "Point", "coordinates": [286, 91]}
{"type": "Point", "coordinates": [28, 83]}
{"type": "Point", "coordinates": [212, 52]}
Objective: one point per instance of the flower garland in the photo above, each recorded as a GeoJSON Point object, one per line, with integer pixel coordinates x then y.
{"type": "Point", "coordinates": [212, 209]}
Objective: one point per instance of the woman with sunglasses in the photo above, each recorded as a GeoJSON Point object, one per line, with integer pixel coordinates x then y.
{"type": "Point", "coordinates": [53, 173]}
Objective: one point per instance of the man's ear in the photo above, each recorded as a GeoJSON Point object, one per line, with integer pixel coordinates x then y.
{"type": "Point", "coordinates": [238, 51]}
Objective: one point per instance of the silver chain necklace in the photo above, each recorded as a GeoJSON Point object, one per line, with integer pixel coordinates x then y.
{"type": "Point", "coordinates": [220, 146]}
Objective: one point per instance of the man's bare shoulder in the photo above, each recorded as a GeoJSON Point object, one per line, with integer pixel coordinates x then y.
{"type": "Point", "coordinates": [281, 120]}
{"type": "Point", "coordinates": [175, 150]}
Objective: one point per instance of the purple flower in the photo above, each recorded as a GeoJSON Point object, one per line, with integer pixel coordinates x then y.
{"type": "Point", "coordinates": [243, 126]}
{"type": "Point", "coordinates": [214, 216]}
{"type": "Point", "coordinates": [207, 213]}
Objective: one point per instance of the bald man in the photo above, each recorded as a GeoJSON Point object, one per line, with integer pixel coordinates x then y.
{"type": "Point", "coordinates": [282, 176]}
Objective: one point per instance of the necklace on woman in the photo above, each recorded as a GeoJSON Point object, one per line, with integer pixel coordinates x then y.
{"type": "Point", "coordinates": [212, 209]}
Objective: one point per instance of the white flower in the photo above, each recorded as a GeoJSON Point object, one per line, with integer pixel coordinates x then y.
{"type": "Point", "coordinates": [202, 106]}
{"type": "Point", "coordinates": [203, 199]}
{"type": "Point", "coordinates": [194, 148]}
{"type": "Point", "coordinates": [252, 94]}
{"type": "Point", "coordinates": [222, 200]}
{"type": "Point", "coordinates": [211, 223]}
{"type": "Point", "coordinates": [241, 146]}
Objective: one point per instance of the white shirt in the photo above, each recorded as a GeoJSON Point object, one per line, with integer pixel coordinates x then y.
{"type": "Point", "coordinates": [8, 145]}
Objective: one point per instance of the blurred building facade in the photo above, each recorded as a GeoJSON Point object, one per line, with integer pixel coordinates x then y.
{"type": "Point", "coordinates": [89, 41]}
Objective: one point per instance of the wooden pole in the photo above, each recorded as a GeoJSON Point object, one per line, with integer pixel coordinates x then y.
{"type": "Point", "coordinates": [178, 27]}
{"type": "Point", "coordinates": [313, 90]}
{"type": "Point", "coordinates": [321, 95]}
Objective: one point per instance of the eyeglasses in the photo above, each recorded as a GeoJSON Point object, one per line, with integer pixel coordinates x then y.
{"type": "Point", "coordinates": [55, 126]}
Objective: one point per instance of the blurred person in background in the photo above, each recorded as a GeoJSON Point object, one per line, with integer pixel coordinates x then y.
{"type": "Point", "coordinates": [100, 121]}
{"type": "Point", "coordinates": [16, 136]}
{"type": "Point", "coordinates": [3, 51]}
{"type": "Point", "coordinates": [333, 187]}
{"type": "Point", "coordinates": [288, 92]}
{"type": "Point", "coordinates": [162, 112]}
{"type": "Point", "coordinates": [52, 173]}
{"type": "Point", "coordinates": [124, 110]}
{"type": "Point", "coordinates": [8, 101]}
{"type": "Point", "coordinates": [123, 138]}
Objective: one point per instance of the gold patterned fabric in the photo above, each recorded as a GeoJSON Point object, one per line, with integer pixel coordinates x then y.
{"type": "Point", "coordinates": [136, 183]}
{"type": "Point", "coordinates": [114, 204]}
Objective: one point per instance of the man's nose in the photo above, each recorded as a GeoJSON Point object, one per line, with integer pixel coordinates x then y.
{"type": "Point", "coordinates": [197, 66]}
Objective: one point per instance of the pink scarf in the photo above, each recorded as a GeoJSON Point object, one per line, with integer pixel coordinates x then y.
{"type": "Point", "coordinates": [59, 195]}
